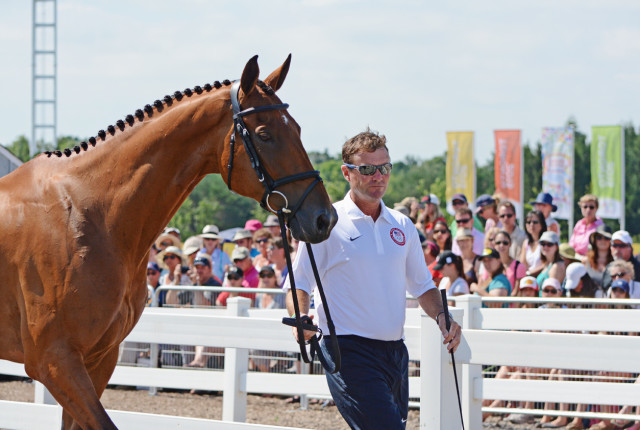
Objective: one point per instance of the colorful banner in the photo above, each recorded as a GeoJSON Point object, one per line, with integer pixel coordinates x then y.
{"type": "Point", "coordinates": [461, 173]}
{"type": "Point", "coordinates": [557, 168]}
{"type": "Point", "coordinates": [606, 170]}
{"type": "Point", "coordinates": [507, 168]}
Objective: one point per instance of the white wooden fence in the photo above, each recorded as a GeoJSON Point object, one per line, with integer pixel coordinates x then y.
{"type": "Point", "coordinates": [487, 339]}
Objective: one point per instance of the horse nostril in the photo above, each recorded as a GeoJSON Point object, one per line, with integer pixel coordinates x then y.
{"type": "Point", "coordinates": [322, 222]}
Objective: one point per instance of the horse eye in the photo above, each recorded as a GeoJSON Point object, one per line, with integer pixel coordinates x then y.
{"type": "Point", "coordinates": [262, 133]}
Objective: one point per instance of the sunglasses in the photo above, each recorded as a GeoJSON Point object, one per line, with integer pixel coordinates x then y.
{"type": "Point", "coordinates": [169, 257]}
{"type": "Point", "coordinates": [588, 207]}
{"type": "Point", "coordinates": [619, 245]}
{"type": "Point", "coordinates": [457, 202]}
{"type": "Point", "coordinates": [370, 169]}
{"type": "Point", "coordinates": [166, 243]}
{"type": "Point", "coordinates": [598, 237]}
{"type": "Point", "coordinates": [546, 244]}
{"type": "Point", "coordinates": [264, 240]}
{"type": "Point", "coordinates": [151, 272]}
{"type": "Point", "coordinates": [533, 221]}
{"type": "Point", "coordinates": [233, 277]}
{"type": "Point", "coordinates": [506, 216]}
{"type": "Point", "coordinates": [463, 221]}
{"type": "Point", "coordinates": [550, 291]}
{"type": "Point", "coordinates": [439, 231]}
{"type": "Point", "coordinates": [500, 242]}
{"type": "Point", "coordinates": [267, 275]}
{"type": "Point", "coordinates": [239, 259]}
{"type": "Point", "coordinates": [618, 275]}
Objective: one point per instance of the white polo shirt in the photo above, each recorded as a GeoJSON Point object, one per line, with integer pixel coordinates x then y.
{"type": "Point", "coordinates": [365, 267]}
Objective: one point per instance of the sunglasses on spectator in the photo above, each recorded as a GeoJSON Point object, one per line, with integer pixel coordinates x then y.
{"type": "Point", "coordinates": [457, 202]}
{"type": "Point", "coordinates": [233, 277]}
{"type": "Point", "coordinates": [169, 257]}
{"type": "Point", "coordinates": [439, 231]}
{"type": "Point", "coordinates": [599, 237]}
{"type": "Point", "coordinates": [533, 221]}
{"type": "Point", "coordinates": [619, 245]}
{"type": "Point", "coordinates": [546, 244]}
{"type": "Point", "coordinates": [166, 243]}
{"type": "Point", "coordinates": [463, 221]}
{"type": "Point", "coordinates": [239, 259]}
{"type": "Point", "coordinates": [588, 207]}
{"type": "Point", "coordinates": [263, 240]}
{"type": "Point", "coordinates": [151, 272]}
{"type": "Point", "coordinates": [502, 242]}
{"type": "Point", "coordinates": [618, 275]}
{"type": "Point", "coordinates": [370, 169]}
{"type": "Point", "coordinates": [480, 211]}
{"type": "Point", "coordinates": [506, 216]}
{"type": "Point", "coordinates": [267, 275]}
{"type": "Point", "coordinates": [550, 291]}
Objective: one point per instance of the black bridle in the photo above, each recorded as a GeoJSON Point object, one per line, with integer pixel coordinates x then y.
{"type": "Point", "coordinates": [285, 214]}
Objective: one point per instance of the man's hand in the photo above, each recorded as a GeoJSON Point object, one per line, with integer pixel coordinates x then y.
{"type": "Point", "coordinates": [308, 334]}
{"type": "Point", "coordinates": [452, 336]}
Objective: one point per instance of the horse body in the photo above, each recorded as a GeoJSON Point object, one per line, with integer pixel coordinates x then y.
{"type": "Point", "coordinates": [77, 232]}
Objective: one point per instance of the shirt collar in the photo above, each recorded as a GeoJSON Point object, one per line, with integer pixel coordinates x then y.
{"type": "Point", "coordinates": [354, 211]}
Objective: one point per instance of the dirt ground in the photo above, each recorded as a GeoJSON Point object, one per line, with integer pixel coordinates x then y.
{"type": "Point", "coordinates": [260, 409]}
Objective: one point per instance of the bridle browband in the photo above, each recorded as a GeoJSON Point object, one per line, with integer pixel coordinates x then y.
{"type": "Point", "coordinates": [285, 214]}
{"type": "Point", "coordinates": [270, 185]}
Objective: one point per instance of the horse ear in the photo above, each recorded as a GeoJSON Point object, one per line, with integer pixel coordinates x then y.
{"type": "Point", "coordinates": [276, 79]}
{"type": "Point", "coordinates": [250, 76]}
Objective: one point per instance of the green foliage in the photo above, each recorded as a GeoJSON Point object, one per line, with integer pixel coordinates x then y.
{"type": "Point", "coordinates": [20, 148]}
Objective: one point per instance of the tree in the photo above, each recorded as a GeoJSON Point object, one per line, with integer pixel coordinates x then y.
{"type": "Point", "coordinates": [20, 148]}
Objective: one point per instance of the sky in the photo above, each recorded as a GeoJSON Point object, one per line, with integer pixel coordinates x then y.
{"type": "Point", "coordinates": [411, 70]}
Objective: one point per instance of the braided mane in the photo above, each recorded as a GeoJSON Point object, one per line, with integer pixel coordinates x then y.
{"type": "Point", "coordinates": [148, 110]}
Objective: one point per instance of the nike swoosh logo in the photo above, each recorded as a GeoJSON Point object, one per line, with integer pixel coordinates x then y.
{"type": "Point", "coordinates": [353, 238]}
{"type": "Point", "coordinates": [404, 420]}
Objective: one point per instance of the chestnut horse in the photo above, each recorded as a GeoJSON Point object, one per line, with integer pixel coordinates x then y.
{"type": "Point", "coordinates": [78, 225]}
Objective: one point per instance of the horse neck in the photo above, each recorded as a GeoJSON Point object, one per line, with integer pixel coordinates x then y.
{"type": "Point", "coordinates": [142, 175]}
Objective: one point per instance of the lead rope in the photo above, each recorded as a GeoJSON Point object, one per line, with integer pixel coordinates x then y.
{"type": "Point", "coordinates": [306, 323]}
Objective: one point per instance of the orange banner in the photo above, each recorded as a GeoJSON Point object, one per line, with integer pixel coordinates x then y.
{"type": "Point", "coordinates": [507, 164]}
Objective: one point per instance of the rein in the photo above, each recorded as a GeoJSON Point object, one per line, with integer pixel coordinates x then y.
{"type": "Point", "coordinates": [285, 214]}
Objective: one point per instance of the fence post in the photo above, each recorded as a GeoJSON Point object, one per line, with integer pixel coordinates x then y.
{"type": "Point", "coordinates": [438, 399]}
{"type": "Point", "coordinates": [236, 365]}
{"type": "Point", "coordinates": [42, 395]}
{"type": "Point", "coordinates": [471, 373]}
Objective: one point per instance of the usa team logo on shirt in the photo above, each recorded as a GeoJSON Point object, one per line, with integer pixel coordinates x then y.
{"type": "Point", "coordinates": [397, 236]}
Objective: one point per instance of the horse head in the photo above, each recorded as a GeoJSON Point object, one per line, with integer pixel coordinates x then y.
{"type": "Point", "coordinates": [266, 160]}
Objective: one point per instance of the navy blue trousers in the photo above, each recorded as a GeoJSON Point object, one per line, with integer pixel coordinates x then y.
{"type": "Point", "coordinates": [371, 390]}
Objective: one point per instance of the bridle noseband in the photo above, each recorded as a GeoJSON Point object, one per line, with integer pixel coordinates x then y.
{"type": "Point", "coordinates": [270, 185]}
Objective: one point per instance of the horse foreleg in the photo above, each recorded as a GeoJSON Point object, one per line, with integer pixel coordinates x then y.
{"type": "Point", "coordinates": [64, 374]}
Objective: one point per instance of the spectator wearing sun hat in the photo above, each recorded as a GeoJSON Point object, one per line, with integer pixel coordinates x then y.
{"type": "Point", "coordinates": [544, 204]}
{"type": "Point", "coordinates": [273, 225]}
{"type": "Point", "coordinates": [244, 238]}
{"type": "Point", "coordinates": [220, 261]}
{"type": "Point", "coordinates": [173, 261]}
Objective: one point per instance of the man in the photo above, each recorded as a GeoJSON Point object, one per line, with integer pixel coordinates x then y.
{"type": "Point", "coordinates": [273, 225]}
{"type": "Point", "coordinates": [621, 249]}
{"type": "Point", "coordinates": [371, 259]}
{"type": "Point", "coordinates": [459, 201]}
{"type": "Point", "coordinates": [244, 238]}
{"type": "Point", "coordinates": [220, 261]}
{"type": "Point", "coordinates": [464, 219]}
{"type": "Point", "coordinates": [242, 260]}
{"type": "Point", "coordinates": [279, 261]}
{"type": "Point", "coordinates": [204, 276]}
{"type": "Point", "coordinates": [507, 215]}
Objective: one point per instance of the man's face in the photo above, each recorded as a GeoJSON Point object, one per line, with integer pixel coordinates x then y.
{"type": "Point", "coordinates": [244, 242]}
{"type": "Point", "coordinates": [368, 188]}
{"type": "Point", "coordinates": [210, 244]}
{"type": "Point", "coordinates": [275, 253]}
{"type": "Point", "coordinates": [507, 217]}
{"type": "Point", "coordinates": [621, 250]}
{"type": "Point", "coordinates": [153, 277]}
{"type": "Point", "coordinates": [244, 264]}
{"type": "Point", "coordinates": [204, 272]}
{"type": "Point", "coordinates": [464, 220]}
{"type": "Point", "coordinates": [544, 208]}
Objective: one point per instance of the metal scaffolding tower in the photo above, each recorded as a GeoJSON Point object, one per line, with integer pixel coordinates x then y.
{"type": "Point", "coordinates": [44, 80]}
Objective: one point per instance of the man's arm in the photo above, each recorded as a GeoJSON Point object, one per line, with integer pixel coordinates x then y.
{"type": "Point", "coordinates": [303, 305]}
{"type": "Point", "coordinates": [431, 302]}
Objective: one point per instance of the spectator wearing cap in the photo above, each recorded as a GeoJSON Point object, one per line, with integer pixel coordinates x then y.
{"type": "Point", "coordinates": [528, 288]}
{"type": "Point", "coordinates": [430, 214]}
{"type": "Point", "coordinates": [535, 226]}
{"type": "Point", "coordinates": [621, 249]}
{"type": "Point", "coordinates": [153, 280]}
{"type": "Point", "coordinates": [588, 224]}
{"type": "Point", "coordinates": [507, 215]}
{"type": "Point", "coordinates": [623, 269]}
{"type": "Point", "coordinates": [578, 283]}
{"type": "Point", "coordinates": [599, 254]}
{"type": "Point", "coordinates": [262, 240]}
{"type": "Point", "coordinates": [173, 231]}
{"type": "Point", "coordinates": [242, 259]}
{"type": "Point", "coordinates": [431, 251]}
{"type": "Point", "coordinates": [172, 260]}
{"type": "Point", "coordinates": [442, 236]}
{"type": "Point", "coordinates": [497, 285]}
{"type": "Point", "coordinates": [514, 270]}
{"type": "Point", "coordinates": [552, 265]}
{"type": "Point", "coordinates": [235, 279]}
{"type": "Point", "coordinates": [470, 260]}
{"type": "Point", "coordinates": [273, 225]}
{"type": "Point", "coordinates": [544, 204]}
{"type": "Point", "coordinates": [220, 261]}
{"type": "Point", "coordinates": [464, 219]}
{"type": "Point", "coordinates": [204, 276]}
{"type": "Point", "coordinates": [459, 201]}
{"type": "Point", "coordinates": [244, 238]}
{"type": "Point", "coordinates": [453, 281]}
{"type": "Point", "coordinates": [487, 208]}
{"type": "Point", "coordinates": [620, 289]}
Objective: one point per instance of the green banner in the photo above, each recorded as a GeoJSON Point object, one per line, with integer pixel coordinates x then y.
{"type": "Point", "coordinates": [606, 169]}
